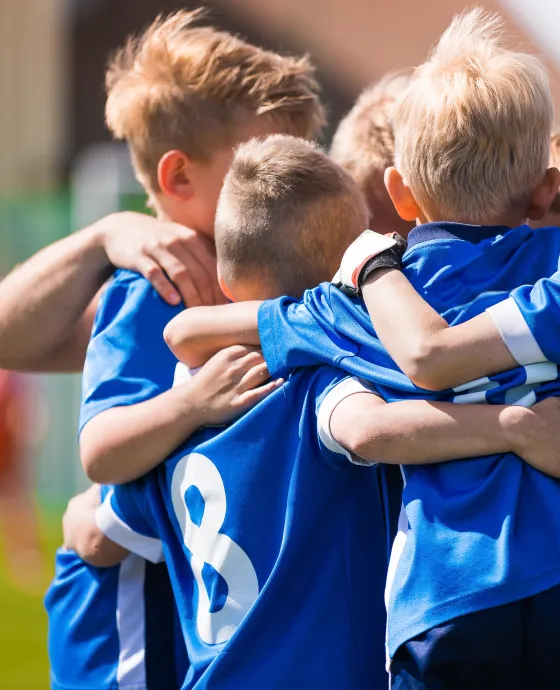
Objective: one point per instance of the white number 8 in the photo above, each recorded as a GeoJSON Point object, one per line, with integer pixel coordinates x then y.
{"type": "Point", "coordinates": [208, 545]}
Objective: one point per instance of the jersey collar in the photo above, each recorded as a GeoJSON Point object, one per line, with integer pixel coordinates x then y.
{"type": "Point", "coordinates": [454, 231]}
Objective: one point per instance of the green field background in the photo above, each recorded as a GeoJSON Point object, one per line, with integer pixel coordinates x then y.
{"type": "Point", "coordinates": [23, 622]}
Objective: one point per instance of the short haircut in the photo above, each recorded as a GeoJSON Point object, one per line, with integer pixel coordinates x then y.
{"type": "Point", "coordinates": [286, 214]}
{"type": "Point", "coordinates": [183, 86]}
{"type": "Point", "coordinates": [364, 145]}
{"type": "Point", "coordinates": [472, 130]}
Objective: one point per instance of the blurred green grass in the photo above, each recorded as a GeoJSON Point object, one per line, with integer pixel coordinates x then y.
{"type": "Point", "coordinates": [23, 622]}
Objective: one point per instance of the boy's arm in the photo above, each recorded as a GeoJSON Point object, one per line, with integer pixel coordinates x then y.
{"type": "Point", "coordinates": [421, 432]}
{"type": "Point", "coordinates": [45, 320]}
{"type": "Point", "coordinates": [431, 353]}
{"type": "Point", "coordinates": [197, 334]}
{"type": "Point", "coordinates": [82, 535]}
{"type": "Point", "coordinates": [122, 443]}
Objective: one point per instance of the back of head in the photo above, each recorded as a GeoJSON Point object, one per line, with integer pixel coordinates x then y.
{"type": "Point", "coordinates": [472, 130]}
{"type": "Point", "coordinates": [184, 86]}
{"type": "Point", "coordinates": [364, 146]}
{"type": "Point", "coordinates": [286, 214]}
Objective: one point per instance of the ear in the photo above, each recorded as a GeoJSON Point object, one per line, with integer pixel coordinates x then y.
{"type": "Point", "coordinates": [223, 286]}
{"type": "Point", "coordinates": [401, 196]}
{"type": "Point", "coordinates": [544, 194]}
{"type": "Point", "coordinates": [173, 175]}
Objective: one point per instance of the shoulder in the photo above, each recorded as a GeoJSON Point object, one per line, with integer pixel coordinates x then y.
{"type": "Point", "coordinates": [128, 295]}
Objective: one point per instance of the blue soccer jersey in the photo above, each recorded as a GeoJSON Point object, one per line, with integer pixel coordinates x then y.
{"type": "Point", "coordinates": [127, 360]}
{"type": "Point", "coordinates": [481, 533]}
{"type": "Point", "coordinates": [112, 628]}
{"type": "Point", "coordinates": [275, 544]}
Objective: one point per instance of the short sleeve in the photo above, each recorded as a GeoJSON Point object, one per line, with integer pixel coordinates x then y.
{"type": "Point", "coordinates": [529, 321]}
{"type": "Point", "coordinates": [333, 396]}
{"type": "Point", "coordinates": [127, 360]}
{"type": "Point", "coordinates": [325, 327]}
{"type": "Point", "coordinates": [124, 518]}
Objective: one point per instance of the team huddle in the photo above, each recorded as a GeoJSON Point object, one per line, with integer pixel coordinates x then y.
{"type": "Point", "coordinates": [342, 476]}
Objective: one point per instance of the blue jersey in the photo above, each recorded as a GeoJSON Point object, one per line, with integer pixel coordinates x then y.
{"type": "Point", "coordinates": [275, 544]}
{"type": "Point", "coordinates": [480, 533]}
{"type": "Point", "coordinates": [111, 628]}
{"type": "Point", "coordinates": [127, 360]}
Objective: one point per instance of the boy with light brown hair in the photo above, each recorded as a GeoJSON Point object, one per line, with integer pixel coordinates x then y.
{"type": "Point", "coordinates": [364, 146]}
{"type": "Point", "coordinates": [182, 95]}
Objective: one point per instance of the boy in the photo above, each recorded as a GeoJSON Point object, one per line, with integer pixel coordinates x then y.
{"type": "Point", "coordinates": [182, 96]}
{"type": "Point", "coordinates": [261, 503]}
{"type": "Point", "coordinates": [363, 145]}
{"type": "Point", "coordinates": [479, 609]}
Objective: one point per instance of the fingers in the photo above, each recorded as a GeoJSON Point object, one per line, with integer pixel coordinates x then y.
{"type": "Point", "coordinates": [155, 275]}
{"type": "Point", "coordinates": [252, 397]}
{"type": "Point", "coordinates": [255, 377]}
{"type": "Point", "coordinates": [180, 273]}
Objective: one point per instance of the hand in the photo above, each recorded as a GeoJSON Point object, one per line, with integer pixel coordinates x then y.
{"type": "Point", "coordinates": [230, 383]}
{"type": "Point", "coordinates": [84, 504]}
{"type": "Point", "coordinates": [535, 435]}
{"type": "Point", "coordinates": [368, 253]}
{"type": "Point", "coordinates": [178, 262]}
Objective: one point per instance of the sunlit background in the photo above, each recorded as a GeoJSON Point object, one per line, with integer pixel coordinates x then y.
{"type": "Point", "coordinates": [59, 171]}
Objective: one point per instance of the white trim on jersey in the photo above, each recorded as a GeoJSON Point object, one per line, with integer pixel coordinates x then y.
{"type": "Point", "coordinates": [396, 553]}
{"type": "Point", "coordinates": [131, 624]}
{"type": "Point", "coordinates": [118, 531]}
{"type": "Point", "coordinates": [516, 334]}
{"type": "Point", "coordinates": [336, 395]}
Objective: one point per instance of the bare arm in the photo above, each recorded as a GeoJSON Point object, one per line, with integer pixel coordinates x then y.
{"type": "Point", "coordinates": [421, 432]}
{"type": "Point", "coordinates": [195, 335]}
{"type": "Point", "coordinates": [48, 303]}
{"type": "Point", "coordinates": [82, 535]}
{"type": "Point", "coordinates": [123, 443]}
{"type": "Point", "coordinates": [430, 352]}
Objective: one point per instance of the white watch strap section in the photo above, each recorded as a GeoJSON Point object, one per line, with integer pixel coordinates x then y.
{"type": "Point", "coordinates": [342, 390]}
{"type": "Point", "coordinates": [366, 246]}
{"type": "Point", "coordinates": [515, 332]}
{"type": "Point", "coordinates": [118, 531]}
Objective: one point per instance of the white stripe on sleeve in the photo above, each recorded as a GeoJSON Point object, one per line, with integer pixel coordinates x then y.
{"type": "Point", "coordinates": [118, 531]}
{"type": "Point", "coordinates": [337, 394]}
{"type": "Point", "coordinates": [515, 332]}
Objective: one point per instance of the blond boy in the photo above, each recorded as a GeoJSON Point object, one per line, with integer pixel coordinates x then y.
{"type": "Point", "coordinates": [364, 146]}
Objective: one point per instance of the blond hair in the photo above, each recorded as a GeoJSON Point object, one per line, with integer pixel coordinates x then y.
{"type": "Point", "coordinates": [285, 216]}
{"type": "Point", "coordinates": [472, 130]}
{"type": "Point", "coordinates": [185, 86]}
{"type": "Point", "coordinates": [364, 145]}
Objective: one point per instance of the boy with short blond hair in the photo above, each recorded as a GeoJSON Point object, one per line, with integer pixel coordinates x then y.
{"type": "Point", "coordinates": [364, 146]}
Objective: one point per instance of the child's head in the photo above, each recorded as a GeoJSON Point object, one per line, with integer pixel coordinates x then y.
{"type": "Point", "coordinates": [364, 146]}
{"type": "Point", "coordinates": [183, 96]}
{"type": "Point", "coordinates": [285, 216]}
{"type": "Point", "coordinates": [472, 131]}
